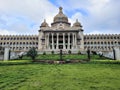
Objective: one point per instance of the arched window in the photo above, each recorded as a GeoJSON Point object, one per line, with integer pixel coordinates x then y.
{"type": "Point", "coordinates": [112, 43]}
{"type": "Point", "coordinates": [7, 42]}
{"type": "Point", "coordinates": [13, 43]}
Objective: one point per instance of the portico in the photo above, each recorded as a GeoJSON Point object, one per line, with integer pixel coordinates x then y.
{"type": "Point", "coordinates": [60, 40]}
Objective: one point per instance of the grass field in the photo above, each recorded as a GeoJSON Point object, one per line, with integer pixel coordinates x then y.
{"type": "Point", "coordinates": [25, 75]}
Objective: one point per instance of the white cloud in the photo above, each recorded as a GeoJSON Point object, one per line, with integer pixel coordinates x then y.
{"type": "Point", "coordinates": [30, 11]}
{"type": "Point", "coordinates": [103, 15]}
{"type": "Point", "coordinates": [7, 32]}
{"type": "Point", "coordinates": [99, 16]}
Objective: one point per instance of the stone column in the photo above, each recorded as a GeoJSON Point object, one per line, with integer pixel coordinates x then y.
{"type": "Point", "coordinates": [106, 46]}
{"type": "Point", "coordinates": [52, 42]}
{"type": "Point", "coordinates": [45, 41]}
{"type": "Point", "coordinates": [57, 41]}
{"type": "Point", "coordinates": [48, 42]}
{"type": "Point", "coordinates": [117, 52]}
{"type": "Point", "coordinates": [64, 41]}
{"type": "Point", "coordinates": [73, 41]}
{"type": "Point", "coordinates": [68, 40]}
{"type": "Point", "coordinates": [6, 53]}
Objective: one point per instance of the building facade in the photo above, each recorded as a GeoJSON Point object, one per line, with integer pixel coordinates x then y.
{"type": "Point", "coordinates": [61, 35]}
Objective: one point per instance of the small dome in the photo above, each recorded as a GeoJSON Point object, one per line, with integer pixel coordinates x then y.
{"type": "Point", "coordinates": [44, 24]}
{"type": "Point", "coordinates": [60, 17]}
{"type": "Point", "coordinates": [77, 24]}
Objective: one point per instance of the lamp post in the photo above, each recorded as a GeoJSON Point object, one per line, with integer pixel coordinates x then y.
{"type": "Point", "coordinates": [114, 54]}
{"type": "Point", "coordinates": [61, 53]}
{"type": "Point", "coordinates": [88, 52]}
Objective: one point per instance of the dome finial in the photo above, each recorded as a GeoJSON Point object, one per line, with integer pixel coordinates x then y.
{"type": "Point", "coordinates": [76, 20]}
{"type": "Point", "coordinates": [60, 10]}
{"type": "Point", "coordinates": [77, 24]}
{"type": "Point", "coordinates": [44, 20]}
{"type": "Point", "coordinates": [44, 24]}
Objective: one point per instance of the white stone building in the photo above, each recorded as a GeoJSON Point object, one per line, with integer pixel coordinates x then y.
{"type": "Point", "coordinates": [61, 35]}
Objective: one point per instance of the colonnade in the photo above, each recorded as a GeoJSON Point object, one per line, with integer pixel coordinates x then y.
{"type": "Point", "coordinates": [60, 41]}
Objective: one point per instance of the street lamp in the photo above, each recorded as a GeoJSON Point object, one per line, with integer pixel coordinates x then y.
{"type": "Point", "coordinates": [60, 52]}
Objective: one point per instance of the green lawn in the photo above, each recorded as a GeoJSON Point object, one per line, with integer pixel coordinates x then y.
{"type": "Point", "coordinates": [25, 75]}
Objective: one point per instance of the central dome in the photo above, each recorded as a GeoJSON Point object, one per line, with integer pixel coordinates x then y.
{"type": "Point", "coordinates": [60, 17]}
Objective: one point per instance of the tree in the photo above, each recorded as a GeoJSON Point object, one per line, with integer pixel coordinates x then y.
{"type": "Point", "coordinates": [32, 53]}
{"type": "Point", "coordinates": [69, 52]}
{"type": "Point", "coordinates": [52, 52]}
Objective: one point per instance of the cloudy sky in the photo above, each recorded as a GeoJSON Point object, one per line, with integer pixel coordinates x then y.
{"type": "Point", "coordinates": [25, 16]}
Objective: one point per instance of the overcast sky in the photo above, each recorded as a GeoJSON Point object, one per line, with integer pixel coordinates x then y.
{"type": "Point", "coordinates": [25, 16]}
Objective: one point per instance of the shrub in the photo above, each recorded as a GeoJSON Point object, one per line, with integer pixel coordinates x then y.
{"type": "Point", "coordinates": [52, 52]}
{"type": "Point", "coordinates": [20, 56]}
{"type": "Point", "coordinates": [69, 52]}
{"type": "Point", "coordinates": [94, 52]}
{"type": "Point", "coordinates": [44, 53]}
{"type": "Point", "coordinates": [79, 52]}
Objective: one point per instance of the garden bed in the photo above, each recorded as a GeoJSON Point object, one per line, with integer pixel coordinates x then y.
{"type": "Point", "coordinates": [61, 61]}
